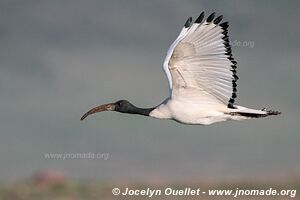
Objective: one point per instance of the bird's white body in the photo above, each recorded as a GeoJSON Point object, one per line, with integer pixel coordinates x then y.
{"type": "Point", "coordinates": [189, 113]}
{"type": "Point", "coordinates": [199, 113]}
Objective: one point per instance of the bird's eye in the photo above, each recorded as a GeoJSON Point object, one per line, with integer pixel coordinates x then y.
{"type": "Point", "coordinates": [119, 103]}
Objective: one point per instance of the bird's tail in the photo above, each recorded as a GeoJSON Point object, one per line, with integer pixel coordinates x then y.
{"type": "Point", "coordinates": [251, 113]}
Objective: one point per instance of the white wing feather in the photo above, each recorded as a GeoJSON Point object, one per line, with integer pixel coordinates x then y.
{"type": "Point", "coordinates": [199, 64]}
{"type": "Point", "coordinates": [181, 35]}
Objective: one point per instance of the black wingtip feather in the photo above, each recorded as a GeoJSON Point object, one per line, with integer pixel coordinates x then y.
{"type": "Point", "coordinates": [224, 25]}
{"type": "Point", "coordinates": [188, 22]}
{"type": "Point", "coordinates": [210, 17]}
{"type": "Point", "coordinates": [218, 19]}
{"type": "Point", "coordinates": [230, 105]}
{"type": "Point", "coordinates": [234, 84]}
{"type": "Point", "coordinates": [200, 18]}
{"type": "Point", "coordinates": [228, 52]}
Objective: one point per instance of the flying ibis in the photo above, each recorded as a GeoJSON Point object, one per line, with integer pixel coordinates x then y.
{"type": "Point", "coordinates": [202, 79]}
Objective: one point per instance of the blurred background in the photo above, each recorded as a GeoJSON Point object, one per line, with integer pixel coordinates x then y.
{"type": "Point", "coordinates": [60, 58]}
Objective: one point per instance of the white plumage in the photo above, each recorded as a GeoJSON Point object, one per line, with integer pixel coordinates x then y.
{"type": "Point", "coordinates": [202, 79]}
{"type": "Point", "coordinates": [202, 76]}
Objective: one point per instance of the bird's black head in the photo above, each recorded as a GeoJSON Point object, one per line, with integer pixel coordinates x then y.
{"type": "Point", "coordinates": [124, 106]}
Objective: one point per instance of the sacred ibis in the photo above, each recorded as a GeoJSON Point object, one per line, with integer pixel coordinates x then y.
{"type": "Point", "coordinates": [202, 79]}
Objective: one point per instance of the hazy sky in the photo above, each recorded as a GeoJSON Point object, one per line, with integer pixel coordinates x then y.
{"type": "Point", "coordinates": [60, 58]}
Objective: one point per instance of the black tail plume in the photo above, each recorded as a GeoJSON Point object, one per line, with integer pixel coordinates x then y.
{"type": "Point", "coordinates": [257, 115]}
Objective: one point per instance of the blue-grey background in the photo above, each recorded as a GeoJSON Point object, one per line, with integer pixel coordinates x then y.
{"type": "Point", "coordinates": [60, 58]}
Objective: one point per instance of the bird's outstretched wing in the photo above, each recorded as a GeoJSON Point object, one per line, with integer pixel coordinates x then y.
{"type": "Point", "coordinates": [199, 64]}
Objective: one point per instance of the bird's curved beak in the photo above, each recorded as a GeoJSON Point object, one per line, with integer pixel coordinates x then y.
{"type": "Point", "coordinates": [105, 107]}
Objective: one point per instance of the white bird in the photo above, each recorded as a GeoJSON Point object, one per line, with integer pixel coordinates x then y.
{"type": "Point", "coordinates": [202, 79]}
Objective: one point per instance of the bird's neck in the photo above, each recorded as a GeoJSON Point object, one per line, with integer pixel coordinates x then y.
{"type": "Point", "coordinates": [140, 111]}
